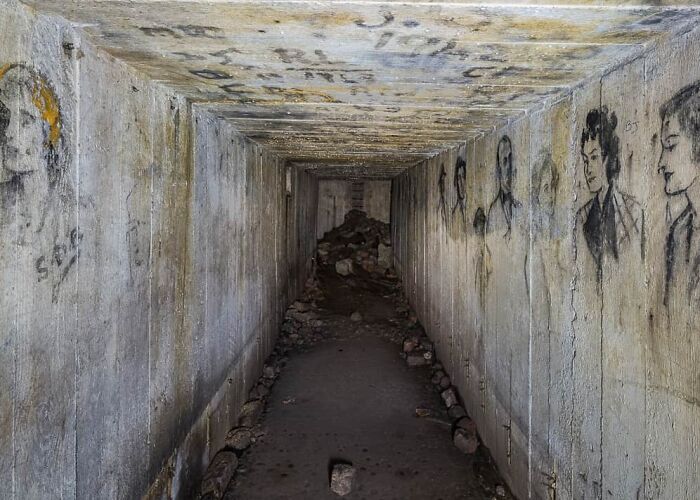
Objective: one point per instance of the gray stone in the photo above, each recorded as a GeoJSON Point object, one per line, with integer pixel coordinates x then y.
{"type": "Point", "coordinates": [262, 390]}
{"type": "Point", "coordinates": [445, 382]}
{"type": "Point", "coordinates": [449, 396]}
{"type": "Point", "coordinates": [220, 472]}
{"type": "Point", "coordinates": [385, 256]}
{"type": "Point", "coordinates": [356, 316]}
{"type": "Point", "coordinates": [465, 442]}
{"type": "Point", "coordinates": [344, 267]}
{"type": "Point", "coordinates": [456, 412]}
{"type": "Point", "coordinates": [409, 345]}
{"type": "Point", "coordinates": [437, 377]}
{"type": "Point", "coordinates": [239, 438]}
{"type": "Point", "coordinates": [250, 413]}
{"type": "Point", "coordinates": [342, 478]}
{"type": "Point", "coordinates": [301, 306]}
{"type": "Point", "coordinates": [467, 424]}
{"type": "Point", "coordinates": [415, 359]}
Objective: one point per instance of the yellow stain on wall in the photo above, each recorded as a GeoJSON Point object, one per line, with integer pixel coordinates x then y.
{"type": "Point", "coordinates": [45, 101]}
{"type": "Point", "coordinates": [4, 69]}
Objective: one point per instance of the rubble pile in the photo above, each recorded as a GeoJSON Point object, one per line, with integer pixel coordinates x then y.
{"type": "Point", "coordinates": [361, 246]}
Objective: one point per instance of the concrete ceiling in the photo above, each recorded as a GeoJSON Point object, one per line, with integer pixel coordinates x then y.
{"type": "Point", "coordinates": [367, 87]}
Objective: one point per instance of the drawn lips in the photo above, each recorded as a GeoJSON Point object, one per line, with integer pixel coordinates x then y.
{"type": "Point", "coordinates": [667, 176]}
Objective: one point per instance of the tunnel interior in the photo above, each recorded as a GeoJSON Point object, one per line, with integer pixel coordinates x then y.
{"type": "Point", "coordinates": [375, 249]}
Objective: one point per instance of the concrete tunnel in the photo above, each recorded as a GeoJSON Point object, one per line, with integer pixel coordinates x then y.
{"type": "Point", "coordinates": [374, 249]}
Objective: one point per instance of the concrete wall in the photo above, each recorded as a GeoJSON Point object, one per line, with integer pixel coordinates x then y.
{"type": "Point", "coordinates": [571, 333]}
{"type": "Point", "coordinates": [147, 253]}
{"type": "Point", "coordinates": [335, 199]}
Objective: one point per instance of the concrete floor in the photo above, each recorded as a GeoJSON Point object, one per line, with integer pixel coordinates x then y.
{"type": "Point", "coordinates": [352, 398]}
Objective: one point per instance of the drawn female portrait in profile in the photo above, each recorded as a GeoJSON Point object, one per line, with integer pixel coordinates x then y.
{"type": "Point", "coordinates": [611, 221]}
{"type": "Point", "coordinates": [679, 164]}
{"type": "Point", "coordinates": [34, 190]}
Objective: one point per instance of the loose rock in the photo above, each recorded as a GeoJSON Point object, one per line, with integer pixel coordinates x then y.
{"type": "Point", "coordinates": [467, 424]}
{"type": "Point", "coordinates": [409, 345]}
{"type": "Point", "coordinates": [239, 438]}
{"type": "Point", "coordinates": [445, 382]}
{"type": "Point", "coordinates": [437, 377]}
{"type": "Point", "coordinates": [385, 256]}
{"type": "Point", "coordinates": [423, 412]}
{"type": "Point", "coordinates": [342, 479]}
{"type": "Point", "coordinates": [456, 412]}
{"type": "Point", "coordinates": [449, 397]}
{"type": "Point", "coordinates": [344, 267]}
{"type": "Point", "coordinates": [415, 359]}
{"type": "Point", "coordinates": [465, 442]}
{"type": "Point", "coordinates": [218, 475]}
{"type": "Point", "coordinates": [356, 316]}
{"type": "Point", "coordinates": [250, 413]}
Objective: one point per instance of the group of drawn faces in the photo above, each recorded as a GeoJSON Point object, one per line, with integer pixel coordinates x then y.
{"type": "Point", "coordinates": [679, 141]}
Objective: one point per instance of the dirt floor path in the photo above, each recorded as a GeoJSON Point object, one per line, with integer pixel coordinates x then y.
{"type": "Point", "coordinates": [351, 398]}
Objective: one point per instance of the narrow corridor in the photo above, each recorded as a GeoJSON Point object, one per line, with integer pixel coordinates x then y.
{"type": "Point", "coordinates": [347, 395]}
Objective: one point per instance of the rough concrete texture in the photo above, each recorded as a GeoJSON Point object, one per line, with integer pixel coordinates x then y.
{"type": "Point", "coordinates": [561, 289]}
{"type": "Point", "coordinates": [364, 84]}
{"type": "Point", "coordinates": [128, 231]}
{"type": "Point", "coordinates": [337, 197]}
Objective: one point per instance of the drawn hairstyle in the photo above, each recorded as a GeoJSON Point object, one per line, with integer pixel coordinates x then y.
{"type": "Point", "coordinates": [686, 106]}
{"type": "Point", "coordinates": [479, 223]}
{"type": "Point", "coordinates": [601, 125]}
{"type": "Point", "coordinates": [546, 170]}
{"type": "Point", "coordinates": [505, 140]}
{"type": "Point", "coordinates": [46, 102]}
{"type": "Point", "coordinates": [460, 175]}
{"type": "Point", "coordinates": [4, 118]}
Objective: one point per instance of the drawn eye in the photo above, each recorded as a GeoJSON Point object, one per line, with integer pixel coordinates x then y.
{"type": "Point", "coordinates": [671, 147]}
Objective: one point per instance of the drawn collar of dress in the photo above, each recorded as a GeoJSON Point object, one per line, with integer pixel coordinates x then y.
{"type": "Point", "coordinates": [690, 212]}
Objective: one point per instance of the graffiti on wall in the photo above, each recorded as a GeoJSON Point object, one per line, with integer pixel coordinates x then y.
{"type": "Point", "coordinates": [500, 213]}
{"type": "Point", "coordinates": [442, 203]}
{"type": "Point", "coordinates": [459, 181]}
{"type": "Point", "coordinates": [34, 189]}
{"type": "Point", "coordinates": [452, 199]}
{"type": "Point", "coordinates": [545, 185]}
{"type": "Point", "coordinates": [611, 221]}
{"type": "Point", "coordinates": [679, 164]}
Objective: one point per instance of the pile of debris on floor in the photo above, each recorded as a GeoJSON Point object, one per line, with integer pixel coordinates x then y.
{"type": "Point", "coordinates": [360, 246]}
